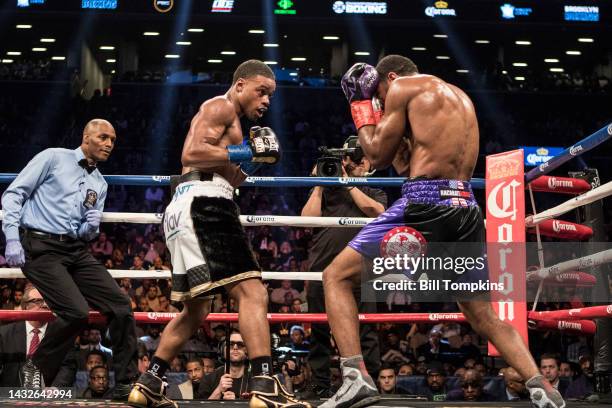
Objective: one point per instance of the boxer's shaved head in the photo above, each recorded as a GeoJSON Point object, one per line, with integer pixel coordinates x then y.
{"type": "Point", "coordinates": [252, 68]}
{"type": "Point", "coordinates": [396, 63]}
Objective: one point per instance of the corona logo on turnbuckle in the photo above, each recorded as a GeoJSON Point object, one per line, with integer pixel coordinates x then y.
{"type": "Point", "coordinates": [610, 129]}
{"type": "Point", "coordinates": [609, 310]}
{"type": "Point", "coordinates": [569, 325]}
{"type": "Point", "coordinates": [553, 183]}
{"type": "Point", "coordinates": [574, 311]}
{"type": "Point", "coordinates": [559, 226]}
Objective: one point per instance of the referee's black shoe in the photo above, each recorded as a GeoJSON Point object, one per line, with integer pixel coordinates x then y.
{"type": "Point", "coordinates": [149, 392]}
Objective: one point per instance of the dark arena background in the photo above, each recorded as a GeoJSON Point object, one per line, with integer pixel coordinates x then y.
{"type": "Point", "coordinates": [539, 73]}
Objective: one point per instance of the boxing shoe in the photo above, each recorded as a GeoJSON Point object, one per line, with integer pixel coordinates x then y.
{"type": "Point", "coordinates": [543, 394]}
{"type": "Point", "coordinates": [356, 391]}
{"type": "Point", "coordinates": [267, 392]}
{"type": "Point", "coordinates": [149, 392]}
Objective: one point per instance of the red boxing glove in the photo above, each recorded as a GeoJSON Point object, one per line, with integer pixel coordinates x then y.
{"type": "Point", "coordinates": [365, 113]}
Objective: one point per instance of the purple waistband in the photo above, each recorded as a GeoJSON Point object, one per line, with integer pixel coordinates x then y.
{"type": "Point", "coordinates": [439, 192]}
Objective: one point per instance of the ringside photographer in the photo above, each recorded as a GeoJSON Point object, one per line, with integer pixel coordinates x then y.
{"type": "Point", "coordinates": [328, 242]}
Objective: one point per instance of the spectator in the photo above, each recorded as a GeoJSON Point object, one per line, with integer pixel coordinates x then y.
{"type": "Point", "coordinates": [153, 298]}
{"type": "Point", "coordinates": [176, 365]}
{"type": "Point", "coordinates": [5, 301]}
{"type": "Point", "coordinates": [296, 306]}
{"type": "Point", "coordinates": [137, 264]}
{"type": "Point", "coordinates": [434, 349]}
{"type": "Point", "coordinates": [95, 358]}
{"type": "Point", "coordinates": [158, 265]}
{"type": "Point", "coordinates": [143, 305]}
{"type": "Point", "coordinates": [98, 383]}
{"type": "Point", "coordinates": [433, 387]}
{"type": "Point", "coordinates": [549, 367]}
{"type": "Point", "coordinates": [208, 365]}
{"type": "Point", "coordinates": [152, 338]}
{"type": "Point", "coordinates": [471, 388]}
{"type": "Point", "coordinates": [515, 389]}
{"type": "Point", "coordinates": [284, 294]}
{"type": "Point", "coordinates": [228, 386]}
{"type": "Point", "coordinates": [17, 298]}
{"type": "Point", "coordinates": [189, 388]}
{"type": "Point", "coordinates": [421, 367]}
{"type": "Point", "coordinates": [566, 370]}
{"type": "Point", "coordinates": [102, 247]}
{"type": "Point", "coordinates": [387, 381]}
{"type": "Point", "coordinates": [19, 340]}
{"type": "Point", "coordinates": [298, 342]}
{"type": "Point", "coordinates": [165, 306]}
{"type": "Point", "coordinates": [583, 385]}
{"type": "Point", "coordinates": [405, 370]}
{"type": "Point", "coordinates": [468, 348]}
{"type": "Point", "coordinates": [143, 357]}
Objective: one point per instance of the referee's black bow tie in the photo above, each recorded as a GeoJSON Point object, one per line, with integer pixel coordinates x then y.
{"type": "Point", "coordinates": [85, 164]}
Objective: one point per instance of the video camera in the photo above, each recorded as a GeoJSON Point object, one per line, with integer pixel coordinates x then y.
{"type": "Point", "coordinates": [330, 162]}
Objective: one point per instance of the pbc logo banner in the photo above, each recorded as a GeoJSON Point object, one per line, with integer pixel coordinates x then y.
{"type": "Point", "coordinates": [505, 196]}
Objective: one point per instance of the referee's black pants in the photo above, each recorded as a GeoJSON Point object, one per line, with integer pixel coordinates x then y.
{"type": "Point", "coordinates": [320, 347]}
{"type": "Point", "coordinates": [71, 280]}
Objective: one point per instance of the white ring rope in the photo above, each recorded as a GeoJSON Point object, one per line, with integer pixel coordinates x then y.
{"type": "Point", "coordinates": [15, 273]}
{"type": "Point", "coordinates": [589, 261]}
{"type": "Point", "coordinates": [598, 193]}
{"type": "Point", "coordinates": [351, 222]}
{"type": "Point", "coordinates": [247, 220]}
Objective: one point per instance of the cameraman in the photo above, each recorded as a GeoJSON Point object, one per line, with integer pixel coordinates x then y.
{"type": "Point", "coordinates": [327, 243]}
{"type": "Point", "coordinates": [296, 375]}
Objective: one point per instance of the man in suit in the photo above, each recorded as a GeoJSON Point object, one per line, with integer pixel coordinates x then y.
{"type": "Point", "coordinates": [19, 340]}
{"type": "Point", "coordinates": [189, 388]}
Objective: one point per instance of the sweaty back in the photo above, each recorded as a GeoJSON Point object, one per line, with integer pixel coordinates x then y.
{"type": "Point", "coordinates": [443, 129]}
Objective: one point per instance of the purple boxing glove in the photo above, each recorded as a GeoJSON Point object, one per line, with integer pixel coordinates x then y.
{"type": "Point", "coordinates": [360, 82]}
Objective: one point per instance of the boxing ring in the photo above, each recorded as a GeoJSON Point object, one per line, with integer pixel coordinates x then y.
{"type": "Point", "coordinates": [573, 272]}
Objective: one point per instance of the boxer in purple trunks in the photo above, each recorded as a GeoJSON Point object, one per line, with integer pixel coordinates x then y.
{"type": "Point", "coordinates": [429, 133]}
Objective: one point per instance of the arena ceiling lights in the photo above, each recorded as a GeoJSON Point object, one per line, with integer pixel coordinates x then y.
{"type": "Point", "coordinates": [195, 30]}
{"type": "Point", "coordinates": [586, 40]}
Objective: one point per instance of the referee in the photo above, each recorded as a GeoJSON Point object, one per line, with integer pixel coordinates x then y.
{"type": "Point", "coordinates": [51, 210]}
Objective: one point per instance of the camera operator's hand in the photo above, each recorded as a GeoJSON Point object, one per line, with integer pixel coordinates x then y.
{"type": "Point", "coordinates": [229, 395]}
{"type": "Point", "coordinates": [313, 173]}
{"type": "Point", "coordinates": [288, 367]}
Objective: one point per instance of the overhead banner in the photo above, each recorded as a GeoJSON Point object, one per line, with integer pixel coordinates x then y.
{"type": "Point", "coordinates": [505, 198]}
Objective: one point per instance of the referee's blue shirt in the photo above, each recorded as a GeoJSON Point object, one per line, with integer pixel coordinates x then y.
{"type": "Point", "coordinates": [52, 194]}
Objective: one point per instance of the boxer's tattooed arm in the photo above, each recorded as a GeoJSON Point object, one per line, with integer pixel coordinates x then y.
{"type": "Point", "coordinates": [381, 142]}
{"type": "Point", "coordinates": [203, 148]}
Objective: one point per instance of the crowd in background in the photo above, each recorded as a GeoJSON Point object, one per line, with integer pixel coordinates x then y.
{"type": "Point", "coordinates": [444, 356]}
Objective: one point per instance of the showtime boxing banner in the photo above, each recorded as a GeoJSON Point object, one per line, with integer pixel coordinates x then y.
{"type": "Point", "coordinates": [505, 198]}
